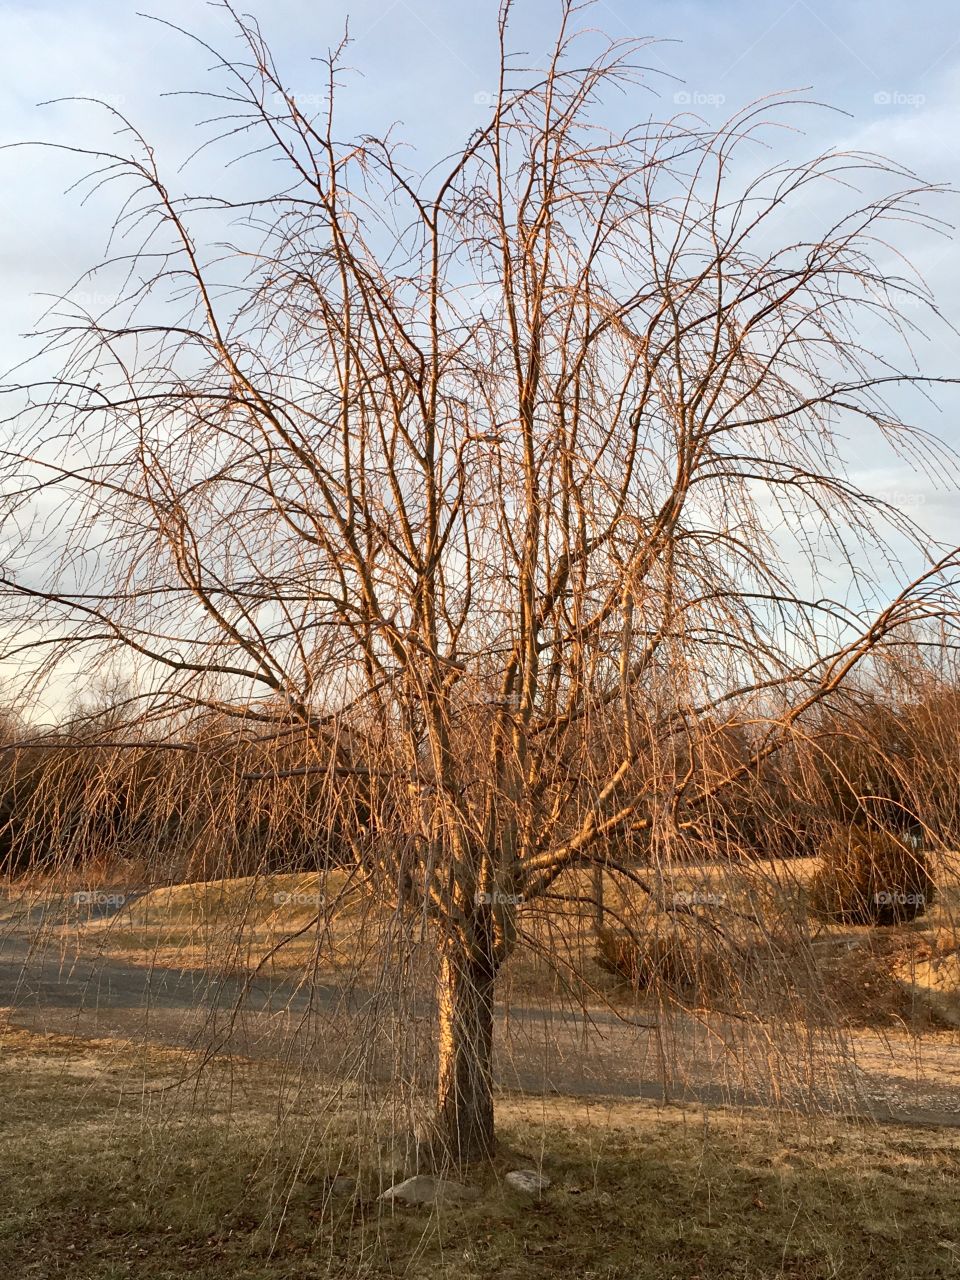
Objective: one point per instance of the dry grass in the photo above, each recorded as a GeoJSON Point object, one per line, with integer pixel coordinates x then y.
{"type": "Point", "coordinates": [102, 1177]}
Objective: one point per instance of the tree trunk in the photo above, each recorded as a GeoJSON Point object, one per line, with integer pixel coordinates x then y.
{"type": "Point", "coordinates": [465, 1040]}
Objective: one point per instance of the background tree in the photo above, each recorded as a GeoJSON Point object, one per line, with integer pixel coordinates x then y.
{"type": "Point", "coordinates": [465, 481]}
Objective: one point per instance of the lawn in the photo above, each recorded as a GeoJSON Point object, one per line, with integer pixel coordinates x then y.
{"type": "Point", "coordinates": [108, 1171]}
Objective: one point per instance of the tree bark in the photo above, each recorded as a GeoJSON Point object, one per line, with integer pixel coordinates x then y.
{"type": "Point", "coordinates": [465, 1068]}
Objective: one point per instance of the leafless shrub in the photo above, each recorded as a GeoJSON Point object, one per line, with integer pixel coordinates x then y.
{"type": "Point", "coordinates": [871, 877]}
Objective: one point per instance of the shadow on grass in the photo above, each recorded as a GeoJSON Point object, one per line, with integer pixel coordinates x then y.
{"type": "Point", "coordinates": [101, 1176]}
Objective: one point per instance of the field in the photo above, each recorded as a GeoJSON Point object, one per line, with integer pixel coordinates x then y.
{"type": "Point", "coordinates": [106, 1175]}
{"type": "Point", "coordinates": [281, 925]}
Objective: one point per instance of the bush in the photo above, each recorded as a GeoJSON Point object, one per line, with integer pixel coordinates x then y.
{"type": "Point", "coordinates": [677, 956]}
{"type": "Point", "coordinates": [871, 876]}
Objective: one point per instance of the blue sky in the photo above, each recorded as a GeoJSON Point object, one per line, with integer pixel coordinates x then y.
{"type": "Point", "coordinates": [426, 65]}
{"type": "Point", "coordinates": [891, 71]}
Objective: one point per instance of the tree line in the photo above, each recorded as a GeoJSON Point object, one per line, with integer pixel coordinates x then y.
{"type": "Point", "coordinates": [233, 798]}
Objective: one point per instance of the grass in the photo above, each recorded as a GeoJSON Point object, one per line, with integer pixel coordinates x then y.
{"type": "Point", "coordinates": [123, 1160]}
{"type": "Point", "coordinates": [102, 1177]}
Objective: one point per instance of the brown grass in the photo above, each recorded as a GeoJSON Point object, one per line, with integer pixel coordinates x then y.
{"type": "Point", "coordinates": [102, 1177]}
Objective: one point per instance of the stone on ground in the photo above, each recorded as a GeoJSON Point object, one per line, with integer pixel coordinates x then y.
{"type": "Point", "coordinates": [529, 1181]}
{"type": "Point", "coordinates": [424, 1188]}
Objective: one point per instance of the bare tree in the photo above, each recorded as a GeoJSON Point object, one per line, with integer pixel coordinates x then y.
{"type": "Point", "coordinates": [489, 484]}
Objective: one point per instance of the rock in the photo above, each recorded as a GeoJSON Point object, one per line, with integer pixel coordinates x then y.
{"type": "Point", "coordinates": [529, 1181]}
{"type": "Point", "coordinates": [343, 1186]}
{"type": "Point", "coordinates": [424, 1188]}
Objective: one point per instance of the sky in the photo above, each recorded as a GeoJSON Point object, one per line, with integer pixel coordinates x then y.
{"type": "Point", "coordinates": [887, 73]}
{"type": "Point", "coordinates": [891, 73]}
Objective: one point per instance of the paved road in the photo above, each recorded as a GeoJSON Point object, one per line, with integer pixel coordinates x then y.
{"type": "Point", "coordinates": [54, 989]}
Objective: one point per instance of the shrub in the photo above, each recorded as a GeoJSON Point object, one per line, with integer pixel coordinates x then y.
{"type": "Point", "coordinates": [675, 956]}
{"type": "Point", "coordinates": [871, 876]}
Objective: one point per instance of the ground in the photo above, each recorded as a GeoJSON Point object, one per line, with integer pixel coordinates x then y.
{"type": "Point", "coordinates": [857, 1019]}
{"type": "Point", "coordinates": [178, 1102]}
{"type": "Point", "coordinates": [105, 1174]}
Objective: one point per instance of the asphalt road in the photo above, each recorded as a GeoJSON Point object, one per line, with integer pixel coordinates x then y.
{"type": "Point", "coordinates": [49, 987]}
